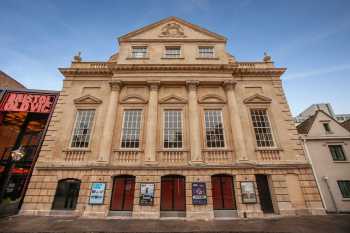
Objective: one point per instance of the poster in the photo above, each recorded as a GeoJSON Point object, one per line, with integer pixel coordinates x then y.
{"type": "Point", "coordinates": [248, 192]}
{"type": "Point", "coordinates": [97, 193]}
{"type": "Point", "coordinates": [199, 193]}
{"type": "Point", "coordinates": [146, 194]}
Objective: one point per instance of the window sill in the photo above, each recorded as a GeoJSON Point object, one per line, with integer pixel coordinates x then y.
{"type": "Point", "coordinates": [173, 150]}
{"type": "Point", "coordinates": [268, 149]}
{"type": "Point", "coordinates": [207, 58]}
{"type": "Point", "coordinates": [137, 58]}
{"type": "Point", "coordinates": [217, 149]}
{"type": "Point", "coordinates": [346, 161]}
{"type": "Point", "coordinates": [173, 58]}
{"type": "Point", "coordinates": [77, 150]}
{"type": "Point", "coordinates": [127, 150]}
{"type": "Point", "coordinates": [346, 199]}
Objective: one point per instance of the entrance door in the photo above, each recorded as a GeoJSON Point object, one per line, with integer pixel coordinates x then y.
{"type": "Point", "coordinates": [66, 196]}
{"type": "Point", "coordinates": [223, 192]}
{"type": "Point", "coordinates": [123, 193]}
{"type": "Point", "coordinates": [264, 193]}
{"type": "Point", "coordinates": [173, 193]}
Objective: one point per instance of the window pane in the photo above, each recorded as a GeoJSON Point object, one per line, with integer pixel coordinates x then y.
{"type": "Point", "coordinates": [172, 52]}
{"type": "Point", "coordinates": [172, 129]}
{"type": "Point", "coordinates": [262, 129]}
{"type": "Point", "coordinates": [82, 128]}
{"type": "Point", "coordinates": [337, 152]}
{"type": "Point", "coordinates": [131, 129]}
{"type": "Point", "coordinates": [139, 52]}
{"type": "Point", "coordinates": [344, 186]}
{"type": "Point", "coordinates": [206, 51]}
{"type": "Point", "coordinates": [213, 129]}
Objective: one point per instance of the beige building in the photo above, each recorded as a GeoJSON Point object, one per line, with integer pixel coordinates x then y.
{"type": "Point", "coordinates": [172, 125]}
{"type": "Point", "coordinates": [327, 145]}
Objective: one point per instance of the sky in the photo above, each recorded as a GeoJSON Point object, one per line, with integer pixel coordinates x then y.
{"type": "Point", "coordinates": [310, 38]}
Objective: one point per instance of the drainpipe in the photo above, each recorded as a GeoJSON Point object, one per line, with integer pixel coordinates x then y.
{"type": "Point", "coordinates": [325, 178]}
{"type": "Point", "coordinates": [313, 171]}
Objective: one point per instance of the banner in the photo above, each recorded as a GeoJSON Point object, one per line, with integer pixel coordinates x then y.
{"type": "Point", "coordinates": [199, 193]}
{"type": "Point", "coordinates": [97, 193]}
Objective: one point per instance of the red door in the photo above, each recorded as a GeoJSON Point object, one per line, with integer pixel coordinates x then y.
{"type": "Point", "coordinates": [123, 193]}
{"type": "Point", "coordinates": [222, 191]}
{"type": "Point", "coordinates": [173, 193]}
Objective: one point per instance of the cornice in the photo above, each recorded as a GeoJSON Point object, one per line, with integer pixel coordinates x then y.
{"type": "Point", "coordinates": [109, 68]}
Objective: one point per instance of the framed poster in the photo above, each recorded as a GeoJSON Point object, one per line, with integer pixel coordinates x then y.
{"type": "Point", "coordinates": [199, 193]}
{"type": "Point", "coordinates": [97, 193]}
{"type": "Point", "coordinates": [248, 192]}
{"type": "Point", "coordinates": [147, 194]}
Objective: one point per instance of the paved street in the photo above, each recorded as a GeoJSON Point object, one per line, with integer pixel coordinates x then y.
{"type": "Point", "coordinates": [301, 224]}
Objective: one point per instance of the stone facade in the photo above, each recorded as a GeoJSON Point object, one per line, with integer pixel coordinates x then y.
{"type": "Point", "coordinates": [192, 85]}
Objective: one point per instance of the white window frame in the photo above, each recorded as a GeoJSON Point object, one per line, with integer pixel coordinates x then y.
{"type": "Point", "coordinates": [140, 130]}
{"type": "Point", "coordinates": [91, 130]}
{"type": "Point", "coordinates": [182, 129]}
{"type": "Point", "coordinates": [275, 143]}
{"type": "Point", "coordinates": [139, 46]}
{"type": "Point", "coordinates": [206, 46]}
{"type": "Point", "coordinates": [221, 110]}
{"type": "Point", "coordinates": [172, 46]}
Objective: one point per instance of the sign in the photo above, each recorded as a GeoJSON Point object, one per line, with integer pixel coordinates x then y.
{"type": "Point", "coordinates": [28, 102]}
{"type": "Point", "coordinates": [146, 194]}
{"type": "Point", "coordinates": [97, 193]}
{"type": "Point", "coordinates": [248, 192]}
{"type": "Point", "coordinates": [199, 193]}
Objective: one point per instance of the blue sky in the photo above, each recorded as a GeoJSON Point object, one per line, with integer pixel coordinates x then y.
{"type": "Point", "coordinates": [310, 38]}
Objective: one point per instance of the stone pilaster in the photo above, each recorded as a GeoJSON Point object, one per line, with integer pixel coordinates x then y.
{"type": "Point", "coordinates": [151, 124]}
{"type": "Point", "coordinates": [110, 119]}
{"type": "Point", "coordinates": [194, 121]}
{"type": "Point", "coordinates": [235, 121]}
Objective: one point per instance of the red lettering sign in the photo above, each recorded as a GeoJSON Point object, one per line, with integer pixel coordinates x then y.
{"type": "Point", "coordinates": [28, 102]}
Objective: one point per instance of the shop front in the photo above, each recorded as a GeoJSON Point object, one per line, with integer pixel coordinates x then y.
{"type": "Point", "coordinates": [24, 117]}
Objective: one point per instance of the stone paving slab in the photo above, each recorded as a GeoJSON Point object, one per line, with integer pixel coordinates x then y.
{"type": "Point", "coordinates": [300, 224]}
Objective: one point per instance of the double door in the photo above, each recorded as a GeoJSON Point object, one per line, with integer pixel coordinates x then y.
{"type": "Point", "coordinates": [123, 193]}
{"type": "Point", "coordinates": [173, 193]}
{"type": "Point", "coordinates": [223, 192]}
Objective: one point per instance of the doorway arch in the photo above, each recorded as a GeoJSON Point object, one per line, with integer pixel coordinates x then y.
{"type": "Point", "coordinates": [67, 193]}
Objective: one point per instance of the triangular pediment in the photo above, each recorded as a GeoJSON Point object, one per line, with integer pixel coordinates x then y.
{"type": "Point", "coordinates": [317, 128]}
{"type": "Point", "coordinates": [172, 99]}
{"type": "Point", "coordinates": [172, 28]}
{"type": "Point", "coordinates": [87, 99]}
{"type": "Point", "coordinates": [257, 99]}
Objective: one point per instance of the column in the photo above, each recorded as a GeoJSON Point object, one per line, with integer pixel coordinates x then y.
{"type": "Point", "coordinates": [151, 123]}
{"type": "Point", "coordinates": [235, 121]}
{"type": "Point", "coordinates": [194, 122]}
{"type": "Point", "coordinates": [109, 123]}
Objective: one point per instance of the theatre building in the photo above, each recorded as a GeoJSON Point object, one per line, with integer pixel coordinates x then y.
{"type": "Point", "coordinates": [24, 117]}
{"type": "Point", "coordinates": [172, 125]}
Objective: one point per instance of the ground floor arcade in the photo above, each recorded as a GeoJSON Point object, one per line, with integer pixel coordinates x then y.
{"type": "Point", "coordinates": [191, 193]}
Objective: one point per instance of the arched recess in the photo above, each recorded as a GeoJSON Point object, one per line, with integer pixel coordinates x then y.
{"type": "Point", "coordinates": [223, 192]}
{"type": "Point", "coordinates": [123, 193]}
{"type": "Point", "coordinates": [67, 193]}
{"type": "Point", "coordinates": [173, 193]}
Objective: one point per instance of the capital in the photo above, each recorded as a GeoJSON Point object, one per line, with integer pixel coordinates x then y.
{"type": "Point", "coordinates": [192, 85]}
{"type": "Point", "coordinates": [229, 84]}
{"type": "Point", "coordinates": [153, 85]}
{"type": "Point", "coordinates": [115, 85]}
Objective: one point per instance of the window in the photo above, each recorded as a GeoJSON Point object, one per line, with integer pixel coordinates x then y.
{"type": "Point", "coordinates": [337, 152]}
{"type": "Point", "coordinates": [327, 128]}
{"type": "Point", "coordinates": [172, 51]}
{"type": "Point", "coordinates": [344, 186]}
{"type": "Point", "coordinates": [139, 52]}
{"type": "Point", "coordinates": [172, 129]}
{"type": "Point", "coordinates": [131, 129]}
{"type": "Point", "coordinates": [82, 128]}
{"type": "Point", "coordinates": [262, 128]}
{"type": "Point", "coordinates": [206, 52]}
{"type": "Point", "coordinates": [214, 129]}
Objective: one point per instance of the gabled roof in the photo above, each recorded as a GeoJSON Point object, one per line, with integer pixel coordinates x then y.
{"type": "Point", "coordinates": [305, 126]}
{"type": "Point", "coordinates": [166, 20]}
{"type": "Point", "coordinates": [346, 124]}
{"type": "Point", "coordinates": [7, 81]}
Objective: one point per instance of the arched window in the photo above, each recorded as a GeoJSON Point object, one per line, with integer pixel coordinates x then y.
{"type": "Point", "coordinates": [67, 194]}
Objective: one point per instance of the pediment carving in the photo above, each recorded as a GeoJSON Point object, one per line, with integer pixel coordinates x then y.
{"type": "Point", "coordinates": [172, 30]}
{"type": "Point", "coordinates": [133, 99]}
{"type": "Point", "coordinates": [172, 99]}
{"type": "Point", "coordinates": [87, 99]}
{"type": "Point", "coordinates": [257, 99]}
{"type": "Point", "coordinates": [212, 99]}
